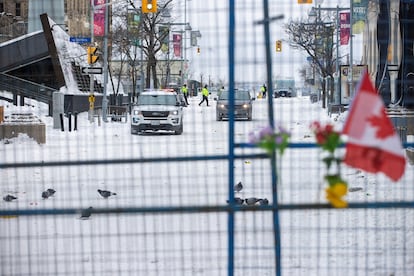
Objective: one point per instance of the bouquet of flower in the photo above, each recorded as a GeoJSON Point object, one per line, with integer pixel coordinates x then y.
{"type": "Point", "coordinates": [329, 140]}
{"type": "Point", "coordinates": [270, 139]}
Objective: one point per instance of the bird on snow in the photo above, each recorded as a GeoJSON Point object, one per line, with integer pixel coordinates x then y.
{"type": "Point", "coordinates": [9, 198]}
{"type": "Point", "coordinates": [238, 187]}
{"type": "Point", "coordinates": [237, 200]}
{"type": "Point", "coordinates": [51, 191]}
{"type": "Point", "coordinates": [86, 213]}
{"type": "Point", "coordinates": [264, 201]}
{"type": "Point", "coordinates": [252, 200]}
{"type": "Point", "coordinates": [45, 194]}
{"type": "Point", "coordinates": [105, 193]}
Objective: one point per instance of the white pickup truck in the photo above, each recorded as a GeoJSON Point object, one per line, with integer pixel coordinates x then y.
{"type": "Point", "coordinates": [157, 110]}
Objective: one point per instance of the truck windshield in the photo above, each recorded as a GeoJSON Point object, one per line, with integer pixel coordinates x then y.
{"type": "Point", "coordinates": [157, 100]}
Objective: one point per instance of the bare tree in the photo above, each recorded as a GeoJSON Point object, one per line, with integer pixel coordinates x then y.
{"type": "Point", "coordinates": [316, 39]}
{"type": "Point", "coordinates": [126, 48]}
{"type": "Point", "coordinates": [121, 50]}
{"type": "Point", "coordinates": [137, 43]}
{"type": "Point", "coordinates": [152, 39]}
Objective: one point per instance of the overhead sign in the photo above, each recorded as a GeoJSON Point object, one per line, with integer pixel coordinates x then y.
{"type": "Point", "coordinates": [80, 40]}
{"type": "Point", "coordinates": [91, 70]}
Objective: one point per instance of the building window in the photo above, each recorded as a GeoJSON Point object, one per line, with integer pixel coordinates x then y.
{"type": "Point", "coordinates": [18, 9]}
{"type": "Point", "coordinates": [1, 7]}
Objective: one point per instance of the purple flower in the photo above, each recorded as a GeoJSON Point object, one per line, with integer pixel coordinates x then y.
{"type": "Point", "coordinates": [283, 130]}
{"type": "Point", "coordinates": [266, 131]}
{"type": "Point", "coordinates": [278, 139]}
{"type": "Point", "coordinates": [270, 140]}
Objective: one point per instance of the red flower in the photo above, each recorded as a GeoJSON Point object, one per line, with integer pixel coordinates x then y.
{"type": "Point", "coordinates": [326, 136]}
{"type": "Point", "coordinates": [329, 140]}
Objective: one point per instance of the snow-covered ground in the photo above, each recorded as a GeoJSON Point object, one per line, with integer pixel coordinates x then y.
{"type": "Point", "coordinates": [314, 241]}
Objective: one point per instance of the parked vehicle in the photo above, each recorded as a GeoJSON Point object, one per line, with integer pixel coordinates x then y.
{"type": "Point", "coordinates": [157, 110]}
{"type": "Point", "coordinates": [243, 105]}
{"type": "Point", "coordinates": [282, 93]}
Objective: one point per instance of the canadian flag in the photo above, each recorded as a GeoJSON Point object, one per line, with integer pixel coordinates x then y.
{"type": "Point", "coordinates": [373, 145]}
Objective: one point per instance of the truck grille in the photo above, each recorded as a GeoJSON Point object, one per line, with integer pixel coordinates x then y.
{"type": "Point", "coordinates": [155, 114]}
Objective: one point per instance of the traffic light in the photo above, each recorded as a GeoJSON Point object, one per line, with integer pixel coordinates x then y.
{"type": "Point", "coordinates": [198, 50]}
{"type": "Point", "coordinates": [92, 57]}
{"type": "Point", "coordinates": [149, 6]}
{"type": "Point", "coordinates": [278, 45]}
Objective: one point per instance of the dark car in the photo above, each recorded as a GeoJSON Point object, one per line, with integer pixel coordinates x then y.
{"type": "Point", "coordinates": [283, 93]}
{"type": "Point", "coordinates": [243, 105]}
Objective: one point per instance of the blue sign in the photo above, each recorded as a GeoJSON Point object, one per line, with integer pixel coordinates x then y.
{"type": "Point", "coordinates": [80, 40]}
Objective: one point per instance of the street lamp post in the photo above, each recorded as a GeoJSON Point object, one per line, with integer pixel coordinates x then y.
{"type": "Point", "coordinates": [182, 46]}
{"type": "Point", "coordinates": [315, 12]}
{"type": "Point", "coordinates": [105, 52]}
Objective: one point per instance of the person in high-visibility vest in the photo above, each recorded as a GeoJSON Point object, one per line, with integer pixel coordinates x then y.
{"type": "Point", "coordinates": [184, 89]}
{"type": "Point", "coordinates": [205, 94]}
{"type": "Point", "coordinates": [263, 89]}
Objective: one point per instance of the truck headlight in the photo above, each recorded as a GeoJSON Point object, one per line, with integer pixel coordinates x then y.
{"type": "Point", "coordinates": [174, 112]}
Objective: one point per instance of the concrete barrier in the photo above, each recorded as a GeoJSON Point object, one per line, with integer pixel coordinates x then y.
{"type": "Point", "coordinates": [23, 123]}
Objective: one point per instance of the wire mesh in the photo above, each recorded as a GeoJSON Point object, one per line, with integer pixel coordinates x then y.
{"type": "Point", "coordinates": [170, 212]}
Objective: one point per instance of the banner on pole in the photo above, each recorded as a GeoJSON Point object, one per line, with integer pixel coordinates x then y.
{"type": "Point", "coordinates": [99, 18]}
{"type": "Point", "coordinates": [177, 44]}
{"type": "Point", "coordinates": [164, 36]}
{"type": "Point", "coordinates": [345, 27]}
{"type": "Point", "coordinates": [359, 15]}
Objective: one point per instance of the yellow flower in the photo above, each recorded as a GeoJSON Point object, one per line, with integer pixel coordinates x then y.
{"type": "Point", "coordinates": [334, 194]}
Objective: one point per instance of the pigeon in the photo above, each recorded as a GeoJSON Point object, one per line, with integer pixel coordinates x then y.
{"type": "Point", "coordinates": [45, 195]}
{"type": "Point", "coordinates": [264, 201]}
{"type": "Point", "coordinates": [86, 213]}
{"type": "Point", "coordinates": [237, 200]}
{"type": "Point", "coordinates": [238, 187]}
{"type": "Point", "coordinates": [105, 194]}
{"type": "Point", "coordinates": [252, 200]}
{"type": "Point", "coordinates": [9, 198]}
{"type": "Point", "coordinates": [51, 191]}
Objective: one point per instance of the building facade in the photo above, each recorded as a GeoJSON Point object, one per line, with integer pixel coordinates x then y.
{"type": "Point", "coordinates": [15, 16]}
{"type": "Point", "coordinates": [13, 19]}
{"type": "Point", "coordinates": [78, 17]}
{"type": "Point", "coordinates": [388, 50]}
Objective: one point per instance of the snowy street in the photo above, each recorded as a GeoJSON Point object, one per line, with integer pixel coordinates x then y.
{"type": "Point", "coordinates": [314, 242]}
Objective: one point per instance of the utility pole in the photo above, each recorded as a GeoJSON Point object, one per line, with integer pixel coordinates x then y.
{"type": "Point", "coordinates": [351, 56]}
{"type": "Point", "coordinates": [91, 80]}
{"type": "Point", "coordinates": [105, 52]}
{"type": "Point", "coordinates": [105, 66]}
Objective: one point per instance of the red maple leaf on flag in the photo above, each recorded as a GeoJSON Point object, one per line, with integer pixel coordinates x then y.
{"type": "Point", "coordinates": [382, 124]}
{"type": "Point", "coordinates": [382, 153]}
